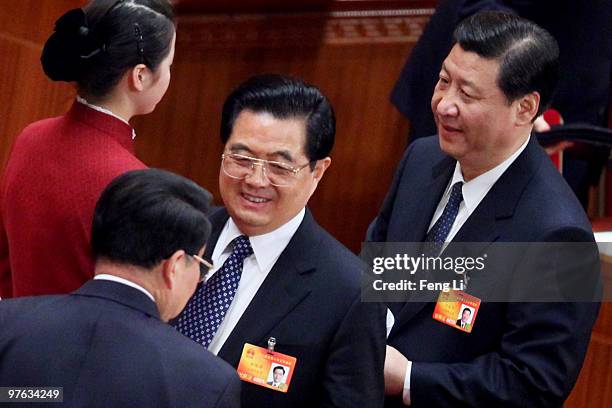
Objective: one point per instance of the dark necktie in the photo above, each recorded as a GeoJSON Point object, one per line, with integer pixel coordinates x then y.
{"type": "Point", "coordinates": [207, 308]}
{"type": "Point", "coordinates": [438, 233]}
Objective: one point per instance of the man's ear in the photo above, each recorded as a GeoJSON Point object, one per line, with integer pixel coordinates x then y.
{"type": "Point", "coordinates": [320, 168]}
{"type": "Point", "coordinates": [527, 108]}
{"type": "Point", "coordinates": [138, 77]}
{"type": "Point", "coordinates": [173, 267]}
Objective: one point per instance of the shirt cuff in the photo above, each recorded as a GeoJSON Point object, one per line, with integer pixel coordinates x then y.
{"type": "Point", "coordinates": [406, 393]}
{"type": "Point", "coordinates": [390, 321]}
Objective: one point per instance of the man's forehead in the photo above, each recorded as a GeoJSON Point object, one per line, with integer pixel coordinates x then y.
{"type": "Point", "coordinates": [469, 67]}
{"type": "Point", "coordinates": [267, 136]}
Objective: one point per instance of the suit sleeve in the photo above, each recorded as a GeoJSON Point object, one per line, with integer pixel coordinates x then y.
{"type": "Point", "coordinates": [378, 228]}
{"type": "Point", "coordinates": [231, 395]}
{"type": "Point", "coordinates": [354, 371]}
{"type": "Point", "coordinates": [541, 350]}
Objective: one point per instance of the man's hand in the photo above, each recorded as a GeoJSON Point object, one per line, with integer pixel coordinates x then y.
{"type": "Point", "coordinates": [395, 372]}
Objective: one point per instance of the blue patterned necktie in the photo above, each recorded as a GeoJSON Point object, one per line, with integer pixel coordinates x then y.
{"type": "Point", "coordinates": [207, 308]}
{"type": "Point", "coordinates": [438, 233]}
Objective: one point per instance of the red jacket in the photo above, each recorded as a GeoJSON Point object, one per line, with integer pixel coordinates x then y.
{"type": "Point", "coordinates": [56, 172]}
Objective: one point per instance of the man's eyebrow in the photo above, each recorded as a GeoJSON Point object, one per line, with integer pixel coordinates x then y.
{"type": "Point", "coordinates": [462, 81]}
{"type": "Point", "coordinates": [240, 147]}
{"type": "Point", "coordinates": [285, 154]}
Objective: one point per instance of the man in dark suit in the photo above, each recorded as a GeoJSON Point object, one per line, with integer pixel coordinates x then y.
{"type": "Point", "coordinates": [107, 344]}
{"type": "Point", "coordinates": [484, 179]}
{"type": "Point", "coordinates": [584, 34]}
{"type": "Point", "coordinates": [283, 276]}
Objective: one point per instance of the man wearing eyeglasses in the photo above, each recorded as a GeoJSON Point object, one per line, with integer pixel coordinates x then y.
{"type": "Point", "coordinates": [107, 344]}
{"type": "Point", "coordinates": [279, 275]}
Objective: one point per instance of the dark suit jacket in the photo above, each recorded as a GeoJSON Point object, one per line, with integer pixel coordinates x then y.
{"type": "Point", "coordinates": [105, 345]}
{"type": "Point", "coordinates": [311, 303]}
{"type": "Point", "coordinates": [518, 354]}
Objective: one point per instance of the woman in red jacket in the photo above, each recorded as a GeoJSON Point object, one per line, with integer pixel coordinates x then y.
{"type": "Point", "coordinates": [119, 55]}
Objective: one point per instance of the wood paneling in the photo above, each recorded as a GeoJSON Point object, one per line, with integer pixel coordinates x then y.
{"type": "Point", "coordinates": [594, 386]}
{"type": "Point", "coordinates": [26, 94]}
{"type": "Point", "coordinates": [263, 6]}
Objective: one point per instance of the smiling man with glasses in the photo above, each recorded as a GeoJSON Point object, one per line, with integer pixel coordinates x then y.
{"type": "Point", "coordinates": [280, 275]}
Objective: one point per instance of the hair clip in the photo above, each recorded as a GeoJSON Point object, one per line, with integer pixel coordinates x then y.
{"type": "Point", "coordinates": [139, 41]}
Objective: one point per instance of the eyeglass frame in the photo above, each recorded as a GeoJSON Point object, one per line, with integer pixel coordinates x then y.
{"type": "Point", "coordinates": [263, 163]}
{"type": "Point", "coordinates": [207, 266]}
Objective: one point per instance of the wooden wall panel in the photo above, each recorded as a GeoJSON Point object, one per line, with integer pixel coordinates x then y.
{"type": "Point", "coordinates": [26, 94]}
{"type": "Point", "coordinates": [594, 386]}
{"type": "Point", "coordinates": [263, 6]}
{"type": "Point", "coordinates": [354, 58]}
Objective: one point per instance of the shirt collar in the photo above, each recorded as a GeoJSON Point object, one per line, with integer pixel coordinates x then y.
{"type": "Point", "coordinates": [82, 100]}
{"type": "Point", "coordinates": [475, 189]}
{"type": "Point", "coordinates": [113, 278]}
{"type": "Point", "coordinates": [266, 247]}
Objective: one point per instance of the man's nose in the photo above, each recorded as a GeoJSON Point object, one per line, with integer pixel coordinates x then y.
{"type": "Point", "coordinates": [447, 106]}
{"type": "Point", "coordinates": [258, 176]}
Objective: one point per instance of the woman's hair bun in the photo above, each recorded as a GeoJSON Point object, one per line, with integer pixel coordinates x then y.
{"type": "Point", "coordinates": [62, 54]}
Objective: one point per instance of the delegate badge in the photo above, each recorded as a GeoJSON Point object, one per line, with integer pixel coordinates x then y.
{"type": "Point", "coordinates": [266, 367]}
{"type": "Point", "coordinates": [457, 309]}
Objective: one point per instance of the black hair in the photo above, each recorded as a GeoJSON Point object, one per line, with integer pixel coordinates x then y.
{"type": "Point", "coordinates": [468, 309]}
{"type": "Point", "coordinates": [528, 54]}
{"type": "Point", "coordinates": [144, 216]}
{"type": "Point", "coordinates": [279, 368]}
{"type": "Point", "coordinates": [284, 97]}
{"type": "Point", "coordinates": [96, 45]}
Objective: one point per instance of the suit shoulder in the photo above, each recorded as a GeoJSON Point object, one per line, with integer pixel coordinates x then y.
{"type": "Point", "coordinates": [427, 145]}
{"type": "Point", "coordinates": [12, 308]}
{"type": "Point", "coordinates": [550, 204]}
{"type": "Point", "coordinates": [421, 153]}
{"type": "Point", "coordinates": [342, 267]}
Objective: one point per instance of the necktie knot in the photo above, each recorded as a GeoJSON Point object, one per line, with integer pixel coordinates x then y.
{"type": "Point", "coordinates": [456, 194]}
{"type": "Point", "coordinates": [242, 247]}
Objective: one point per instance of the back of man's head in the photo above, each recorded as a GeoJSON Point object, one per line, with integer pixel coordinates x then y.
{"type": "Point", "coordinates": [145, 216]}
{"type": "Point", "coordinates": [528, 54]}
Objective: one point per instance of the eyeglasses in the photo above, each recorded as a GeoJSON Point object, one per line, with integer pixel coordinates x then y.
{"type": "Point", "coordinates": [205, 266]}
{"type": "Point", "coordinates": [279, 174]}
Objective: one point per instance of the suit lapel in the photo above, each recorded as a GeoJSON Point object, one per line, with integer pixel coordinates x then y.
{"type": "Point", "coordinates": [488, 222]}
{"type": "Point", "coordinates": [490, 219]}
{"type": "Point", "coordinates": [415, 228]}
{"type": "Point", "coordinates": [429, 194]}
{"type": "Point", "coordinates": [284, 288]}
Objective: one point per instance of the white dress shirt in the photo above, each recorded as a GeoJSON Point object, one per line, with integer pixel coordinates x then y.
{"type": "Point", "coordinates": [266, 250]}
{"type": "Point", "coordinates": [113, 278]}
{"type": "Point", "coordinates": [474, 191]}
